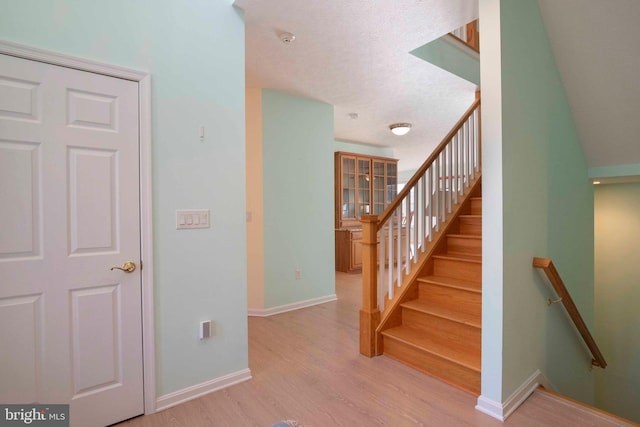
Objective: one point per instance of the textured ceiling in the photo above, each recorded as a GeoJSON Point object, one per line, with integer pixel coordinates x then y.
{"type": "Point", "coordinates": [595, 43]}
{"type": "Point", "coordinates": [354, 54]}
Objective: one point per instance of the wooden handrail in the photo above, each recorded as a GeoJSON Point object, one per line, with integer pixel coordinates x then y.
{"type": "Point", "coordinates": [423, 169]}
{"type": "Point", "coordinates": [556, 281]}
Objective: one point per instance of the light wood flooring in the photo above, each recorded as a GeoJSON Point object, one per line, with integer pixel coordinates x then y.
{"type": "Point", "coordinates": [306, 367]}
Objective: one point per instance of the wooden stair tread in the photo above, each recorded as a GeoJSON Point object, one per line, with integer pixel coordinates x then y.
{"type": "Point", "coordinates": [466, 236]}
{"type": "Point", "coordinates": [460, 257]}
{"type": "Point", "coordinates": [417, 339]}
{"type": "Point", "coordinates": [443, 312]}
{"type": "Point", "coordinates": [436, 325]}
{"type": "Point", "coordinates": [451, 282]}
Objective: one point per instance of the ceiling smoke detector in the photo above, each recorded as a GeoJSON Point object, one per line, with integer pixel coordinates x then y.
{"type": "Point", "coordinates": [287, 38]}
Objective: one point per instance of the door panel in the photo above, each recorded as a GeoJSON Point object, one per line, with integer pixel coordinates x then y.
{"type": "Point", "coordinates": [24, 353]}
{"type": "Point", "coordinates": [69, 211]}
{"type": "Point", "coordinates": [20, 99]}
{"type": "Point", "coordinates": [92, 176]}
{"type": "Point", "coordinates": [96, 345]}
{"type": "Point", "coordinates": [20, 201]}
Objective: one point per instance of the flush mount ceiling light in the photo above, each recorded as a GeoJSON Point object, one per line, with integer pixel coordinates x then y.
{"type": "Point", "coordinates": [287, 38]}
{"type": "Point", "coordinates": [400, 128]}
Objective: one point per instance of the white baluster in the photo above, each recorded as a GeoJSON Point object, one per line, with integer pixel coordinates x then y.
{"type": "Point", "coordinates": [443, 204]}
{"type": "Point", "coordinates": [414, 221]}
{"type": "Point", "coordinates": [408, 232]}
{"type": "Point", "coordinates": [454, 148]}
{"type": "Point", "coordinates": [423, 208]}
{"type": "Point", "coordinates": [399, 248]}
{"type": "Point", "coordinates": [477, 138]}
{"type": "Point", "coordinates": [429, 175]}
{"type": "Point", "coordinates": [449, 187]}
{"type": "Point", "coordinates": [468, 153]}
{"type": "Point", "coordinates": [461, 156]}
{"type": "Point", "coordinates": [472, 134]}
{"type": "Point", "coordinates": [381, 258]}
{"type": "Point", "coordinates": [391, 253]}
{"type": "Point", "coordinates": [437, 192]}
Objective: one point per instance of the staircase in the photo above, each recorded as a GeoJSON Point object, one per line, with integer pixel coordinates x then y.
{"type": "Point", "coordinates": [422, 264]}
{"type": "Point", "coordinates": [440, 320]}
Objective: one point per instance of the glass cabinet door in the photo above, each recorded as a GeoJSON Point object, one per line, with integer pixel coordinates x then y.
{"type": "Point", "coordinates": [378, 186]}
{"type": "Point", "coordinates": [392, 181]}
{"type": "Point", "coordinates": [348, 187]}
{"type": "Point", "coordinates": [364, 189]}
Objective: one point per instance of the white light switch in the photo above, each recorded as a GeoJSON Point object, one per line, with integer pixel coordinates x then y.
{"type": "Point", "coordinates": [192, 218]}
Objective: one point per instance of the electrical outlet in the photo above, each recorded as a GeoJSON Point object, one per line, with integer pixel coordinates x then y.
{"type": "Point", "coordinates": [298, 274]}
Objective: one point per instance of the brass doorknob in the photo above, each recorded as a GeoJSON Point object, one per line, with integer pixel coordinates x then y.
{"type": "Point", "coordinates": [127, 267]}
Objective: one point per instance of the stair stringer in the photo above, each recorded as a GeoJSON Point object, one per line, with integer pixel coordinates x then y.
{"type": "Point", "coordinates": [392, 314]}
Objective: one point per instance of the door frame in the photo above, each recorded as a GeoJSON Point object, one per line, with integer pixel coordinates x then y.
{"type": "Point", "coordinates": [146, 221]}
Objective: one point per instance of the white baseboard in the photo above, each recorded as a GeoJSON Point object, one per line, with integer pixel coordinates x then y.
{"type": "Point", "coordinates": [490, 407]}
{"type": "Point", "coordinates": [189, 393]}
{"type": "Point", "coordinates": [264, 312]}
{"type": "Point", "coordinates": [501, 411]}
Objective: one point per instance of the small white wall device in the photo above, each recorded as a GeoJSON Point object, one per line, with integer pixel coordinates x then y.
{"type": "Point", "coordinates": [205, 329]}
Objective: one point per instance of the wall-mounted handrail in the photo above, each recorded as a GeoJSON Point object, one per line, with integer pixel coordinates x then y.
{"type": "Point", "coordinates": [561, 290]}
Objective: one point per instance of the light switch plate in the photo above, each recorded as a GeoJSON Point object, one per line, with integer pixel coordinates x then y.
{"type": "Point", "coordinates": [192, 218]}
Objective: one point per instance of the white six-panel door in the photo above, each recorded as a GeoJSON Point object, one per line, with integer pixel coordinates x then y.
{"type": "Point", "coordinates": [70, 327]}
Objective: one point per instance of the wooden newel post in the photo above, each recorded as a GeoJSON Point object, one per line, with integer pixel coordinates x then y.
{"type": "Point", "coordinates": [369, 314]}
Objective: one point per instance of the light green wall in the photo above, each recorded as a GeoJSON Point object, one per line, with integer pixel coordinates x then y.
{"type": "Point", "coordinates": [547, 209]}
{"type": "Point", "coordinates": [617, 231]}
{"type": "Point", "coordinates": [615, 171]}
{"type": "Point", "coordinates": [448, 56]}
{"type": "Point", "coordinates": [369, 150]}
{"type": "Point", "coordinates": [194, 51]}
{"type": "Point", "coordinates": [297, 150]}
{"type": "Point", "coordinates": [405, 175]}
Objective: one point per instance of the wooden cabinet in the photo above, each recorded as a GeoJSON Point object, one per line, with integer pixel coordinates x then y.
{"type": "Point", "coordinates": [363, 185]}
{"type": "Point", "coordinates": [348, 250]}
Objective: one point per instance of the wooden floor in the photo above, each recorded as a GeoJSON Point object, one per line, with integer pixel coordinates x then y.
{"type": "Point", "coordinates": [306, 367]}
